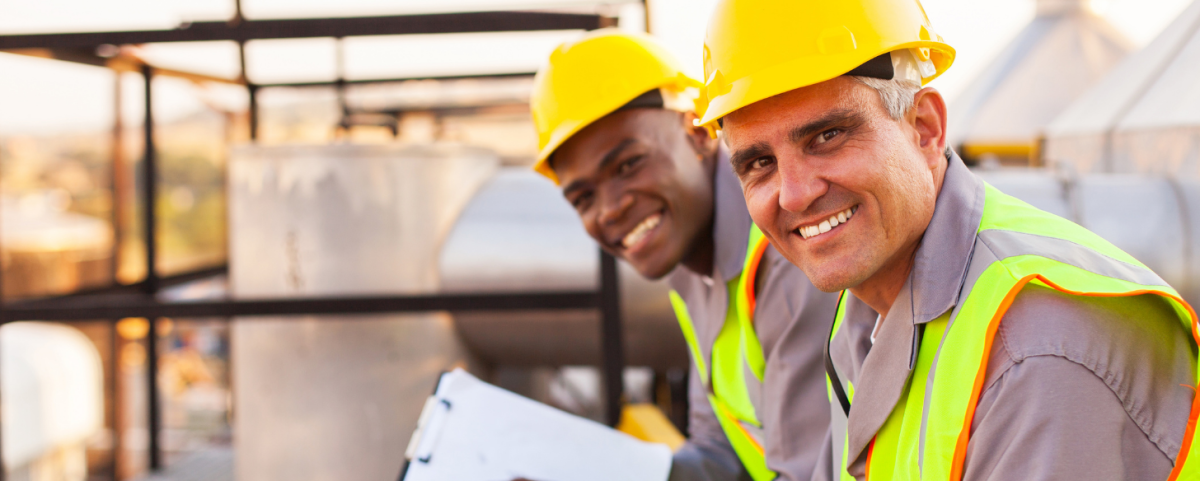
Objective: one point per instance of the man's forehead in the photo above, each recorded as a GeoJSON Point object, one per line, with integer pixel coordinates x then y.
{"type": "Point", "coordinates": [783, 111]}
{"type": "Point", "coordinates": [585, 151]}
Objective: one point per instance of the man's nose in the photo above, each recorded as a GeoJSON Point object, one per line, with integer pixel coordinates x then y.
{"type": "Point", "coordinates": [613, 207]}
{"type": "Point", "coordinates": [799, 185]}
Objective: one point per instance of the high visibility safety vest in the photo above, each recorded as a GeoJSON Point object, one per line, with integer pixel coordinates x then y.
{"type": "Point", "coordinates": [926, 435]}
{"type": "Point", "coordinates": [735, 383]}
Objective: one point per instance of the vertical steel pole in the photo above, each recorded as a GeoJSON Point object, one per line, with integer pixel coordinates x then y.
{"type": "Point", "coordinates": [118, 187]}
{"type": "Point", "coordinates": [251, 89]}
{"type": "Point", "coordinates": [3, 470]}
{"type": "Point", "coordinates": [646, 10]}
{"type": "Point", "coordinates": [150, 189]}
{"type": "Point", "coordinates": [152, 411]}
{"type": "Point", "coordinates": [612, 343]}
{"type": "Point", "coordinates": [340, 68]}
{"type": "Point", "coordinates": [114, 395]}
{"type": "Point", "coordinates": [150, 285]}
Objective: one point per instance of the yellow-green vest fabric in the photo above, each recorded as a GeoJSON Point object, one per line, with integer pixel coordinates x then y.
{"type": "Point", "coordinates": [926, 439]}
{"type": "Point", "coordinates": [738, 364]}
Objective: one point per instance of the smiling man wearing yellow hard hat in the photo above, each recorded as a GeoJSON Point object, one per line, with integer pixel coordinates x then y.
{"type": "Point", "coordinates": [615, 121]}
{"type": "Point", "coordinates": [977, 338]}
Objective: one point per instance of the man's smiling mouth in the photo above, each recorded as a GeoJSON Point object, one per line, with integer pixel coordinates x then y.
{"type": "Point", "coordinates": [640, 231]}
{"type": "Point", "coordinates": [810, 231]}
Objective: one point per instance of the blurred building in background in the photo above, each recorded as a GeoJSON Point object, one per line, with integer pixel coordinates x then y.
{"type": "Point", "coordinates": [1144, 117]}
{"type": "Point", "coordinates": [48, 249]}
{"type": "Point", "coordinates": [1001, 114]}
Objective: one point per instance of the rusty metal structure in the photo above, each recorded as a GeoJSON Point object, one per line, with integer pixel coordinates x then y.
{"type": "Point", "coordinates": [141, 299]}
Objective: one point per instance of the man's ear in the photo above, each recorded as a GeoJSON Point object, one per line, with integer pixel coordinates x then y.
{"type": "Point", "coordinates": [929, 120]}
{"type": "Point", "coordinates": [704, 145]}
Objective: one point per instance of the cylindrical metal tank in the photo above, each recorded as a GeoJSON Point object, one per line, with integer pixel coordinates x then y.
{"type": "Point", "coordinates": [1154, 219]}
{"type": "Point", "coordinates": [337, 397]}
{"type": "Point", "coordinates": [519, 234]}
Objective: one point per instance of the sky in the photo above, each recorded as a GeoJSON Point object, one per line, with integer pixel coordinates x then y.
{"type": "Point", "coordinates": [42, 96]}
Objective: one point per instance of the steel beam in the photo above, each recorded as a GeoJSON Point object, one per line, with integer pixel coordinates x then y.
{"type": "Point", "coordinates": [334, 83]}
{"type": "Point", "coordinates": [163, 283]}
{"type": "Point", "coordinates": [117, 307]}
{"type": "Point", "coordinates": [468, 22]}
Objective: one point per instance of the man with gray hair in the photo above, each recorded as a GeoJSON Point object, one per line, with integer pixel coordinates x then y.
{"type": "Point", "coordinates": [976, 337]}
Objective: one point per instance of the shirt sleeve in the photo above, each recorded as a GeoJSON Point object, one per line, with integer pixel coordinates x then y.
{"type": "Point", "coordinates": [707, 455]}
{"type": "Point", "coordinates": [1057, 420]}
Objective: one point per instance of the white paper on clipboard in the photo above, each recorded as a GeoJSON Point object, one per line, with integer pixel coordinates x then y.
{"type": "Point", "coordinates": [473, 431]}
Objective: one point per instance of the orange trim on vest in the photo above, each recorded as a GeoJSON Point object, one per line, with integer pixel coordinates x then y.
{"type": "Point", "coordinates": [1187, 439]}
{"type": "Point", "coordinates": [749, 437]}
{"type": "Point", "coordinates": [960, 449]}
{"type": "Point", "coordinates": [751, 276]}
{"type": "Point", "coordinates": [870, 452]}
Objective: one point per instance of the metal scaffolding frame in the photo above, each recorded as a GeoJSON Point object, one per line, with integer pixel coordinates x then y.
{"type": "Point", "coordinates": [141, 299]}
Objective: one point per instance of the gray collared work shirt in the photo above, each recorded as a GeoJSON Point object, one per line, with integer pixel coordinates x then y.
{"type": "Point", "coordinates": [1076, 387]}
{"type": "Point", "coordinates": [792, 319]}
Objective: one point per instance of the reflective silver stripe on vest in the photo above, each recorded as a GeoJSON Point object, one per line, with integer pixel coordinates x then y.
{"type": "Point", "coordinates": [981, 259]}
{"type": "Point", "coordinates": [1007, 243]}
{"type": "Point", "coordinates": [839, 423]}
{"type": "Point", "coordinates": [754, 432]}
{"type": "Point", "coordinates": [754, 389]}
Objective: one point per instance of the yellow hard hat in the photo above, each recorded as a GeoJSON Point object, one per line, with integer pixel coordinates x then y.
{"type": "Point", "coordinates": [757, 49]}
{"type": "Point", "coordinates": [594, 76]}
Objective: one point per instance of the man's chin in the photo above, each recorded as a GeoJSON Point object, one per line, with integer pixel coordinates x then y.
{"type": "Point", "coordinates": [829, 278]}
{"type": "Point", "coordinates": [653, 267]}
{"type": "Point", "coordinates": [653, 272]}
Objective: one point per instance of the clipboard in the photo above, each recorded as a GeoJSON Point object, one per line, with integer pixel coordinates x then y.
{"type": "Point", "coordinates": [472, 431]}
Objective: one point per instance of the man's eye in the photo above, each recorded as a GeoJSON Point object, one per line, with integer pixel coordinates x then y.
{"type": "Point", "coordinates": [762, 162]}
{"type": "Point", "coordinates": [828, 135]}
{"type": "Point", "coordinates": [580, 202]}
{"type": "Point", "coordinates": [628, 165]}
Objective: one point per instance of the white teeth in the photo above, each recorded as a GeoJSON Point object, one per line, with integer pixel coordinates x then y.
{"type": "Point", "coordinates": [808, 232]}
{"type": "Point", "coordinates": [641, 230]}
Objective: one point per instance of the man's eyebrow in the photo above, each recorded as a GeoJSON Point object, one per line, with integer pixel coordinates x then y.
{"type": "Point", "coordinates": [830, 119]}
{"type": "Point", "coordinates": [841, 117]}
{"type": "Point", "coordinates": [744, 156]}
{"type": "Point", "coordinates": [612, 156]}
